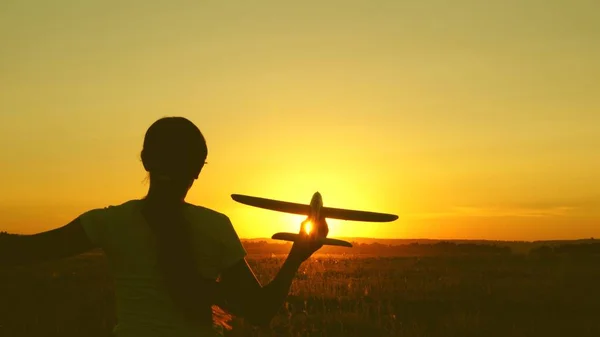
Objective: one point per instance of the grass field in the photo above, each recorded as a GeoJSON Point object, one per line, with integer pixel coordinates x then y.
{"type": "Point", "coordinates": [481, 295]}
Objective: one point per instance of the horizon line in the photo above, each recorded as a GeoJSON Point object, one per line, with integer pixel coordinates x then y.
{"type": "Point", "coordinates": [434, 239]}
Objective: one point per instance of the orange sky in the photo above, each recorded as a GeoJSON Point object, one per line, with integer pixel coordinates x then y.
{"type": "Point", "coordinates": [476, 120]}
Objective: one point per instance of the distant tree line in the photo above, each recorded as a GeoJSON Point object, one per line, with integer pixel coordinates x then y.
{"type": "Point", "coordinates": [568, 249]}
{"type": "Point", "coordinates": [413, 249]}
{"type": "Point", "coordinates": [587, 247]}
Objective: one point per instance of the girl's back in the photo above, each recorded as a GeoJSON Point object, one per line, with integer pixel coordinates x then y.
{"type": "Point", "coordinates": [144, 307]}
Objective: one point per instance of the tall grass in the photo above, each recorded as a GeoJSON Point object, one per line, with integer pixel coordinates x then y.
{"type": "Point", "coordinates": [335, 295]}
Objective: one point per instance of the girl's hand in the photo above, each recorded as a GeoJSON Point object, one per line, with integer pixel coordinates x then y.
{"type": "Point", "coordinates": [309, 242]}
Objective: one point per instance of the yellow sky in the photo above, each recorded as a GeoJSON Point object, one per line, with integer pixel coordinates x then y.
{"type": "Point", "coordinates": [468, 119]}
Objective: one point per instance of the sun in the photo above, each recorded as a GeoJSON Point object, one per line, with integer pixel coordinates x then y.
{"type": "Point", "coordinates": [308, 227]}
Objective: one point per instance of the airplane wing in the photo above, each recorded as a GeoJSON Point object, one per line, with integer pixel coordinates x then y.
{"type": "Point", "coordinates": [274, 205]}
{"type": "Point", "coordinates": [348, 214]}
{"type": "Point", "coordinates": [302, 209]}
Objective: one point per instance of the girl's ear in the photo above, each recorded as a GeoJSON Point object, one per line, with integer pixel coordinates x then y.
{"type": "Point", "coordinates": [142, 157]}
{"type": "Point", "coordinates": [145, 160]}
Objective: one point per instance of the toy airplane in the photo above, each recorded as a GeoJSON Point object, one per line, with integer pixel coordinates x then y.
{"type": "Point", "coordinates": [314, 211]}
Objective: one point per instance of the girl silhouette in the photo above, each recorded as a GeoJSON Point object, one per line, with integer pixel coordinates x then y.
{"type": "Point", "coordinates": [171, 261]}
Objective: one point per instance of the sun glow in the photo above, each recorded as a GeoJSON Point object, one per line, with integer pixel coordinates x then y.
{"type": "Point", "coordinates": [308, 227]}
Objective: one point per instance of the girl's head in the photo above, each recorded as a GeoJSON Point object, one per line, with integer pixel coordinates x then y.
{"type": "Point", "coordinates": [174, 151]}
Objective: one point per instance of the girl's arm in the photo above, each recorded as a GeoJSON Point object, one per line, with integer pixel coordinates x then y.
{"type": "Point", "coordinates": [69, 240]}
{"type": "Point", "coordinates": [241, 293]}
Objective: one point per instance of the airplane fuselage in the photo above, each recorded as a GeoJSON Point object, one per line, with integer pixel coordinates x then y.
{"type": "Point", "coordinates": [316, 203]}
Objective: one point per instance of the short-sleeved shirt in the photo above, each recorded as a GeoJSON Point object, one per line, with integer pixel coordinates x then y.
{"type": "Point", "coordinates": [144, 307]}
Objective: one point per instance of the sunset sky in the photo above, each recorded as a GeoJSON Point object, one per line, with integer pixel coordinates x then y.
{"type": "Point", "coordinates": [468, 119]}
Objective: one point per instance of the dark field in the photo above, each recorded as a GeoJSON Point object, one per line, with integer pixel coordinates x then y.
{"type": "Point", "coordinates": [461, 295]}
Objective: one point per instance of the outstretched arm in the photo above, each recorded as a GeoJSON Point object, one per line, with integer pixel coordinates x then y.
{"type": "Point", "coordinates": [69, 240]}
{"type": "Point", "coordinates": [242, 294]}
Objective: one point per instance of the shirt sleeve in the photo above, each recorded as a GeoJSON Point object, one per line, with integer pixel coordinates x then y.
{"type": "Point", "coordinates": [94, 223]}
{"type": "Point", "coordinates": [233, 250]}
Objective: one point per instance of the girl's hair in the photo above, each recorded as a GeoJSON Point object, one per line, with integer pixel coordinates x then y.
{"type": "Point", "coordinates": [174, 153]}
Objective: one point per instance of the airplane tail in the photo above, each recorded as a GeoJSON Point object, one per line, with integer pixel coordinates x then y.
{"type": "Point", "coordinates": [325, 241]}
